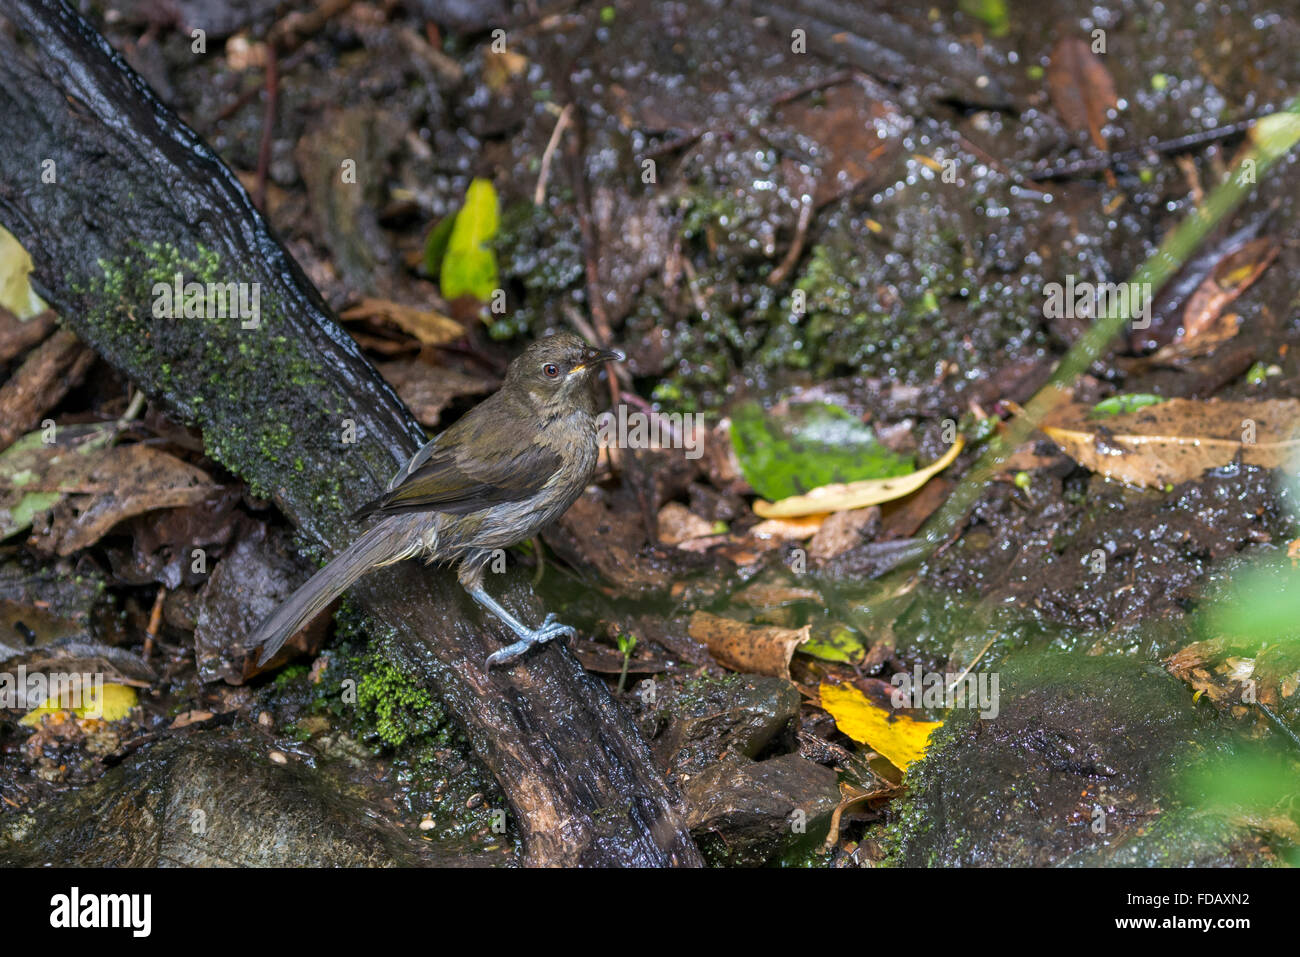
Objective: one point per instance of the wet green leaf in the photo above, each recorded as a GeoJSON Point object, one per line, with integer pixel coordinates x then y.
{"type": "Point", "coordinates": [814, 444]}
{"type": "Point", "coordinates": [435, 247]}
{"type": "Point", "coordinates": [992, 13]}
{"type": "Point", "coordinates": [469, 267]}
{"type": "Point", "coordinates": [840, 644]}
{"type": "Point", "coordinates": [1120, 404]}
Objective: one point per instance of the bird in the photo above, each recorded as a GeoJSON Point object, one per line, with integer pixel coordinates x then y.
{"type": "Point", "coordinates": [506, 469]}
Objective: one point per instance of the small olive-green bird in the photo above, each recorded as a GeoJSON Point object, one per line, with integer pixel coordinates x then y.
{"type": "Point", "coordinates": [511, 465]}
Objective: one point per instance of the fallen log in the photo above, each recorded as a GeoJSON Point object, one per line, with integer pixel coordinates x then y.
{"type": "Point", "coordinates": [114, 198]}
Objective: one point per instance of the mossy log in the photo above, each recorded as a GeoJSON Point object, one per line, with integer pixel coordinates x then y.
{"type": "Point", "coordinates": [111, 194]}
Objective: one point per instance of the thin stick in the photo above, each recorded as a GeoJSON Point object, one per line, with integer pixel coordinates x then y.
{"type": "Point", "coordinates": [539, 194]}
{"type": "Point", "coordinates": [268, 127]}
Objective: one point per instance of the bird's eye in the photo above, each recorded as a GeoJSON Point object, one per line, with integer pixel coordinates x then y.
{"type": "Point", "coordinates": [552, 370]}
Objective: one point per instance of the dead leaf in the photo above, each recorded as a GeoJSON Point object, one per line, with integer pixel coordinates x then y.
{"type": "Point", "coordinates": [48, 373]}
{"type": "Point", "coordinates": [1205, 322]}
{"type": "Point", "coordinates": [1176, 441]}
{"type": "Point", "coordinates": [186, 718]}
{"type": "Point", "coordinates": [792, 529]}
{"type": "Point", "coordinates": [92, 486]}
{"type": "Point", "coordinates": [427, 390]}
{"type": "Point", "coordinates": [677, 524]}
{"type": "Point", "coordinates": [857, 136]}
{"type": "Point", "coordinates": [431, 328]}
{"type": "Point", "coordinates": [1212, 334]}
{"type": "Point", "coordinates": [1081, 87]}
{"type": "Point", "coordinates": [775, 595]}
{"type": "Point", "coordinates": [843, 531]}
{"type": "Point", "coordinates": [500, 67]}
{"type": "Point", "coordinates": [899, 738]}
{"type": "Point", "coordinates": [1234, 274]}
{"type": "Point", "coordinates": [752, 649]}
{"type": "Point", "coordinates": [851, 495]}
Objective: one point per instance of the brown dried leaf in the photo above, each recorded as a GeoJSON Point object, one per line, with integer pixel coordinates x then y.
{"type": "Point", "coordinates": [427, 389]}
{"type": "Point", "coordinates": [93, 486]}
{"type": "Point", "coordinates": [127, 480]}
{"type": "Point", "coordinates": [775, 595]}
{"type": "Point", "coordinates": [753, 649]}
{"type": "Point", "coordinates": [1080, 87]}
{"type": "Point", "coordinates": [431, 328]}
{"type": "Point", "coordinates": [677, 524]}
{"type": "Point", "coordinates": [1177, 440]}
{"type": "Point", "coordinates": [1233, 276]}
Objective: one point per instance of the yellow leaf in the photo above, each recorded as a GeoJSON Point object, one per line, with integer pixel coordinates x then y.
{"type": "Point", "coordinates": [899, 738]}
{"type": "Point", "coordinates": [842, 497]}
{"type": "Point", "coordinates": [111, 702]}
{"type": "Point", "coordinates": [469, 267]}
{"type": "Point", "coordinates": [16, 293]}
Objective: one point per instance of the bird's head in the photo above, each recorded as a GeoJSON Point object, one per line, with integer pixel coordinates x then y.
{"type": "Point", "coordinates": [556, 372]}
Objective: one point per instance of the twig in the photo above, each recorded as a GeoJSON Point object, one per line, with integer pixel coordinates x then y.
{"type": "Point", "coordinates": [539, 194]}
{"type": "Point", "coordinates": [268, 127]}
{"type": "Point", "coordinates": [133, 410]}
{"type": "Point", "coordinates": [792, 254]}
{"type": "Point", "coordinates": [813, 86]}
{"type": "Point", "coordinates": [1110, 160]}
{"type": "Point", "coordinates": [155, 622]}
{"type": "Point", "coordinates": [965, 671]}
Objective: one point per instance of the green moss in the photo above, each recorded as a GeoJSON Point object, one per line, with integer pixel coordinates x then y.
{"type": "Point", "coordinates": [274, 394]}
{"type": "Point", "coordinates": [399, 707]}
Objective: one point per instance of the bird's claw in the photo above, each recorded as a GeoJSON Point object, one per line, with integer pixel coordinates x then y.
{"type": "Point", "coordinates": [546, 631]}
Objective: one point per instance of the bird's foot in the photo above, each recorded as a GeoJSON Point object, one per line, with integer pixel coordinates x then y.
{"type": "Point", "coordinates": [548, 629]}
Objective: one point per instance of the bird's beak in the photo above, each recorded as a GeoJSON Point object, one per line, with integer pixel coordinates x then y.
{"type": "Point", "coordinates": [595, 357]}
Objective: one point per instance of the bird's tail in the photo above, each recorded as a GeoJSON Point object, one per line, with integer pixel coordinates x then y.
{"type": "Point", "coordinates": [375, 547]}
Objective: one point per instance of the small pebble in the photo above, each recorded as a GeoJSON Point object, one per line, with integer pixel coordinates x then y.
{"type": "Point", "coordinates": [426, 823]}
{"type": "Point", "coordinates": [265, 719]}
{"type": "Point", "coordinates": [278, 757]}
{"type": "Point", "coordinates": [474, 800]}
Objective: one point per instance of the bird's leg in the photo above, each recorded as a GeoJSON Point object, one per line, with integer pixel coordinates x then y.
{"type": "Point", "coordinates": [528, 637]}
{"type": "Point", "coordinates": [470, 575]}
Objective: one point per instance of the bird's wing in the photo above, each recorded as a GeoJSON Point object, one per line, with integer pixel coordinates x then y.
{"type": "Point", "coordinates": [471, 468]}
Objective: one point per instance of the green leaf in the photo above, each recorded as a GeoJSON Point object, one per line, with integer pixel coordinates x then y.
{"type": "Point", "coordinates": [469, 267]}
{"type": "Point", "coordinates": [814, 444]}
{"type": "Point", "coordinates": [992, 13]}
{"type": "Point", "coordinates": [435, 247]}
{"type": "Point", "coordinates": [1121, 404]}
{"type": "Point", "coordinates": [840, 644]}
{"type": "Point", "coordinates": [1262, 604]}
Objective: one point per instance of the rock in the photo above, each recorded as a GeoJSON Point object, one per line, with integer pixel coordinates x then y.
{"type": "Point", "coordinates": [210, 799]}
{"type": "Point", "coordinates": [247, 585]}
{"type": "Point", "coordinates": [1081, 766]}
{"type": "Point", "coordinates": [707, 719]}
{"type": "Point", "coordinates": [748, 812]}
